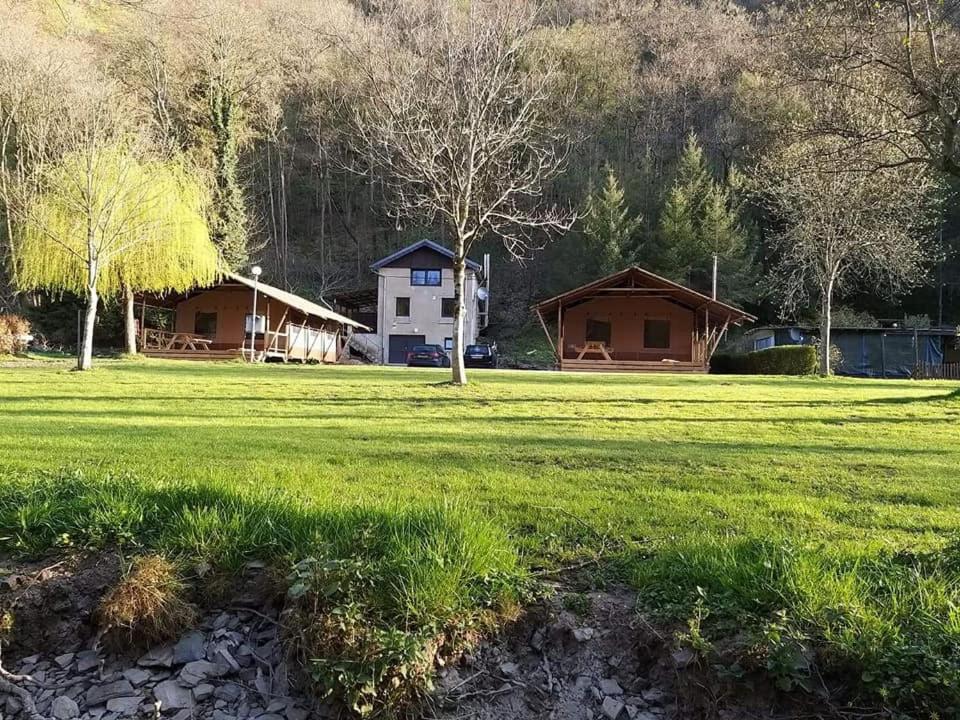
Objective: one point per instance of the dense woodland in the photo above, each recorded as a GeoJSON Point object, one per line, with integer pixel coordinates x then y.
{"type": "Point", "coordinates": [687, 128]}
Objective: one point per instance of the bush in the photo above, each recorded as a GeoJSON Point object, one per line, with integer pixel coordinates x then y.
{"type": "Point", "coordinates": [13, 333]}
{"type": "Point", "coordinates": [782, 360]}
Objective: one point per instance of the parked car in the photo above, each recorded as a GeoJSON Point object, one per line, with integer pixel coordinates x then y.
{"type": "Point", "coordinates": [480, 356]}
{"type": "Point", "coordinates": [428, 356]}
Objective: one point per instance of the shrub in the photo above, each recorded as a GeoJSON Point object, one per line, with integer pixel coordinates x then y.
{"type": "Point", "coordinates": [148, 605]}
{"type": "Point", "coordinates": [782, 360]}
{"type": "Point", "coordinates": [13, 332]}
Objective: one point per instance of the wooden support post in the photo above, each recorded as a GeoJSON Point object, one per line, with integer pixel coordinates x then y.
{"type": "Point", "coordinates": [543, 324]}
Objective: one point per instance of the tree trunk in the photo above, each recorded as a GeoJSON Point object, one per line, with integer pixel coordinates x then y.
{"type": "Point", "coordinates": [825, 322]}
{"type": "Point", "coordinates": [129, 321]}
{"type": "Point", "coordinates": [89, 322]}
{"type": "Point", "coordinates": [459, 317]}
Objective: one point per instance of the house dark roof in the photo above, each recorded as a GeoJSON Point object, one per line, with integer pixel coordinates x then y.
{"type": "Point", "coordinates": [683, 295]}
{"type": "Point", "coordinates": [422, 244]}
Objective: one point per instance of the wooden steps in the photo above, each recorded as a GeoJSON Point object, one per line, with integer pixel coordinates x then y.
{"type": "Point", "coordinates": [636, 366]}
{"type": "Point", "coordinates": [194, 355]}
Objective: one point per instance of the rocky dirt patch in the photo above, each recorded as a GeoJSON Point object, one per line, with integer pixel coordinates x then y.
{"type": "Point", "coordinates": [563, 665]}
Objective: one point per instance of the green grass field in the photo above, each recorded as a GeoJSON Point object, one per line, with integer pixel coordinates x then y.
{"type": "Point", "coordinates": [654, 458]}
{"type": "Point", "coordinates": [807, 512]}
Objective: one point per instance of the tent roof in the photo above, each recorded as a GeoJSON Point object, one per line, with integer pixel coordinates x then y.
{"type": "Point", "coordinates": [646, 279]}
{"type": "Point", "coordinates": [428, 244]}
{"type": "Point", "coordinates": [295, 301]}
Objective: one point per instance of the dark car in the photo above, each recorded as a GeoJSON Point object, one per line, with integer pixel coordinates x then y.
{"type": "Point", "coordinates": [480, 356]}
{"type": "Point", "coordinates": [428, 356]}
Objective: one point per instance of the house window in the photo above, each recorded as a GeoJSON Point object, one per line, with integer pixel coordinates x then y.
{"type": "Point", "coordinates": [261, 324]}
{"type": "Point", "coordinates": [656, 334]}
{"type": "Point", "coordinates": [205, 324]}
{"type": "Point", "coordinates": [447, 306]}
{"type": "Point", "coordinates": [598, 331]}
{"type": "Point", "coordinates": [448, 344]}
{"type": "Point", "coordinates": [403, 307]}
{"type": "Point", "coordinates": [425, 277]}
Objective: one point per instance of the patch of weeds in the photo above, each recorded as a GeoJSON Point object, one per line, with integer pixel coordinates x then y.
{"type": "Point", "coordinates": [885, 624]}
{"type": "Point", "coordinates": [148, 606]}
{"type": "Point", "coordinates": [579, 604]}
{"type": "Point", "coordinates": [376, 611]}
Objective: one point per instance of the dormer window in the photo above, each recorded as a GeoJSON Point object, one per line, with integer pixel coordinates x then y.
{"type": "Point", "coordinates": [430, 277]}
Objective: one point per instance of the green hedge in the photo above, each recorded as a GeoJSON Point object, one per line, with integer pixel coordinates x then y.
{"type": "Point", "coordinates": [783, 360]}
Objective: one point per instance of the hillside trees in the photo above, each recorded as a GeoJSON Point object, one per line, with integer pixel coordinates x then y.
{"type": "Point", "coordinates": [458, 124]}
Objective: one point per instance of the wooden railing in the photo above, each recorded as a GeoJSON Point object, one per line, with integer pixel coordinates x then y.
{"type": "Point", "coordinates": [937, 371]}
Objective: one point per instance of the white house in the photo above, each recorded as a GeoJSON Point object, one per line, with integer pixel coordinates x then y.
{"type": "Point", "coordinates": [415, 302]}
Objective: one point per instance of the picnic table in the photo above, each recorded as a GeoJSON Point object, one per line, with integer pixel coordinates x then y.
{"type": "Point", "coordinates": [592, 346]}
{"type": "Point", "coordinates": [165, 340]}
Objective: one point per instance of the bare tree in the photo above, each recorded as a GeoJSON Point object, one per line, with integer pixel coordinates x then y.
{"type": "Point", "coordinates": [457, 123]}
{"type": "Point", "coordinates": [843, 229]}
{"type": "Point", "coordinates": [901, 58]}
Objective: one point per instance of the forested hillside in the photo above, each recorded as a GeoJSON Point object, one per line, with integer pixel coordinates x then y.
{"type": "Point", "coordinates": [680, 122]}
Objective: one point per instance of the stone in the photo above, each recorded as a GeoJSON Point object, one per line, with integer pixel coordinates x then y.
{"type": "Point", "coordinates": [184, 715]}
{"type": "Point", "coordinates": [537, 641]}
{"type": "Point", "coordinates": [188, 649]}
{"type": "Point", "coordinates": [172, 696]}
{"type": "Point", "coordinates": [611, 708]}
{"type": "Point", "coordinates": [125, 705]}
{"type": "Point", "coordinates": [158, 657]}
{"type": "Point", "coordinates": [684, 657]}
{"type": "Point", "coordinates": [609, 686]}
{"type": "Point", "coordinates": [87, 661]}
{"type": "Point", "coordinates": [653, 696]}
{"type": "Point", "coordinates": [583, 634]}
{"type": "Point", "coordinates": [100, 694]}
{"type": "Point", "coordinates": [645, 715]}
{"type": "Point", "coordinates": [225, 655]}
{"type": "Point", "coordinates": [296, 713]}
{"type": "Point", "coordinates": [202, 692]}
{"type": "Point", "coordinates": [269, 716]}
{"type": "Point", "coordinates": [509, 669]}
{"type": "Point", "coordinates": [64, 661]}
{"type": "Point", "coordinates": [63, 708]}
{"type": "Point", "coordinates": [221, 715]}
{"type": "Point", "coordinates": [229, 693]}
{"type": "Point", "coordinates": [137, 676]}
{"type": "Point", "coordinates": [194, 673]}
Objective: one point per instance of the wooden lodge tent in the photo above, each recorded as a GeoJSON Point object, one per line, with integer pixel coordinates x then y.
{"type": "Point", "coordinates": [216, 322]}
{"type": "Point", "coordinates": [636, 321]}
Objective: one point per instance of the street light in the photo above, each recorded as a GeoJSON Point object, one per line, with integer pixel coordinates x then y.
{"type": "Point", "coordinates": [256, 271]}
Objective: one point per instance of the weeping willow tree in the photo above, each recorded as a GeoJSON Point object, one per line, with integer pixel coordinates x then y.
{"type": "Point", "coordinates": [107, 223]}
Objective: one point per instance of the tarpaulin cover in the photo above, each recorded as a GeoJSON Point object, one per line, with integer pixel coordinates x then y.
{"type": "Point", "coordinates": [874, 354]}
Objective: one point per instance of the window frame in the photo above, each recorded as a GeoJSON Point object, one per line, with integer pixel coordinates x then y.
{"type": "Point", "coordinates": [196, 323]}
{"type": "Point", "coordinates": [608, 340]}
{"type": "Point", "coordinates": [396, 306]}
{"type": "Point", "coordinates": [453, 308]}
{"type": "Point", "coordinates": [426, 272]}
{"type": "Point", "coordinates": [669, 329]}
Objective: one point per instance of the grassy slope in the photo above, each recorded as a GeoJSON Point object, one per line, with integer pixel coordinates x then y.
{"type": "Point", "coordinates": [657, 458]}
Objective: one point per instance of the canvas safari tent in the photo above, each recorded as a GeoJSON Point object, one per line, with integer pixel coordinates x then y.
{"type": "Point", "coordinates": [217, 322]}
{"type": "Point", "coordinates": [636, 321]}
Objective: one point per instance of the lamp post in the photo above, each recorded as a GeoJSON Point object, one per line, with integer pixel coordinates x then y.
{"type": "Point", "coordinates": [256, 271]}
